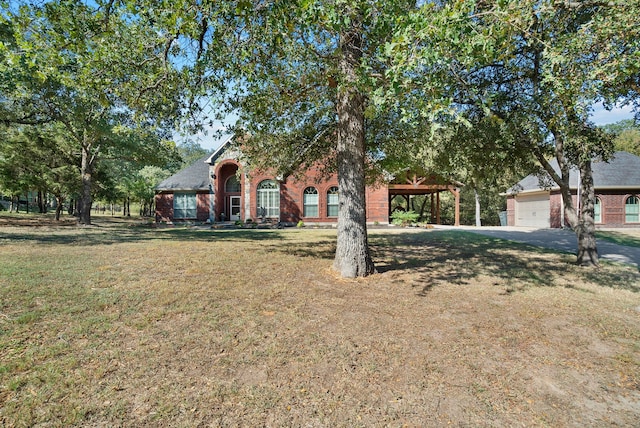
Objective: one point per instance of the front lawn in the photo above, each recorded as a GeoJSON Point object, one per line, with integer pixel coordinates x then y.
{"type": "Point", "coordinates": [628, 237]}
{"type": "Point", "coordinates": [120, 324]}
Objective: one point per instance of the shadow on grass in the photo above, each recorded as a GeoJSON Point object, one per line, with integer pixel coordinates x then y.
{"type": "Point", "coordinates": [436, 257]}
{"type": "Point", "coordinates": [427, 258]}
{"type": "Point", "coordinates": [458, 257]}
{"type": "Point", "coordinates": [126, 232]}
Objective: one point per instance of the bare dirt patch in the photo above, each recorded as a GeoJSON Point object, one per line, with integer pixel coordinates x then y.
{"type": "Point", "coordinates": [189, 327]}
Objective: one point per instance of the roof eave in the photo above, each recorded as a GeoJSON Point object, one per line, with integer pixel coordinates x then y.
{"type": "Point", "coordinates": [179, 189]}
{"type": "Point", "coordinates": [211, 159]}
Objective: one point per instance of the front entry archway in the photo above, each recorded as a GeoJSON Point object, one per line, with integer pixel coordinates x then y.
{"type": "Point", "coordinates": [228, 192]}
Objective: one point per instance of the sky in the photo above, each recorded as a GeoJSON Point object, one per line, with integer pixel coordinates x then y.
{"type": "Point", "coordinates": [211, 136]}
{"type": "Point", "coordinates": [600, 116]}
{"type": "Point", "coordinates": [210, 139]}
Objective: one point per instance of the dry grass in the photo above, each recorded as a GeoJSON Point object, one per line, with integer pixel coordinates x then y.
{"type": "Point", "coordinates": [123, 325]}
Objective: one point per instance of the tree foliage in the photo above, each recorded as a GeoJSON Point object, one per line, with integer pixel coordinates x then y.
{"type": "Point", "coordinates": [190, 151]}
{"type": "Point", "coordinates": [38, 158]}
{"type": "Point", "coordinates": [93, 68]}
{"type": "Point", "coordinates": [384, 84]}
{"type": "Point", "coordinates": [626, 136]}
{"type": "Point", "coordinates": [533, 68]}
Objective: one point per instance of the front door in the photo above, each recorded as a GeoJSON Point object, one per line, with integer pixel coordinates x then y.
{"type": "Point", "coordinates": [234, 208]}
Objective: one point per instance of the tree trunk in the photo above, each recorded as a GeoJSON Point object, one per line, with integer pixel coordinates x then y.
{"type": "Point", "coordinates": [126, 208]}
{"type": "Point", "coordinates": [352, 250]}
{"type": "Point", "coordinates": [41, 208]}
{"type": "Point", "coordinates": [477, 198]}
{"type": "Point", "coordinates": [85, 198]}
{"type": "Point", "coordinates": [586, 230]}
{"type": "Point", "coordinates": [422, 207]}
{"type": "Point", "coordinates": [59, 202]}
{"type": "Point", "coordinates": [582, 223]}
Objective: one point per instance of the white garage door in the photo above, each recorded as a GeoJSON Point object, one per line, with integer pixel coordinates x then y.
{"type": "Point", "coordinates": [533, 210]}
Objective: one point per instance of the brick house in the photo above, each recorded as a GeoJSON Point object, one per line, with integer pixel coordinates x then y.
{"type": "Point", "coordinates": [219, 188]}
{"type": "Point", "coordinates": [617, 189]}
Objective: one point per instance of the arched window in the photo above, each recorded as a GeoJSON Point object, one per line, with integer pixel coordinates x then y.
{"type": "Point", "coordinates": [597, 211]}
{"type": "Point", "coordinates": [310, 202]}
{"type": "Point", "coordinates": [632, 209]}
{"type": "Point", "coordinates": [232, 185]}
{"type": "Point", "coordinates": [332, 202]}
{"type": "Point", "coordinates": [268, 199]}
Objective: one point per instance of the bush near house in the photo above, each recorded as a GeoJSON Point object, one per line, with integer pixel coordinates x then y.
{"type": "Point", "coordinates": [404, 218]}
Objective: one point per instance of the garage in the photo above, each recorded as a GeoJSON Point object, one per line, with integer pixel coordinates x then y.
{"type": "Point", "coordinates": [533, 210]}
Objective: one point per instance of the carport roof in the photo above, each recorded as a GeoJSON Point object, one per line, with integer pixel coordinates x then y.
{"type": "Point", "coordinates": [622, 171]}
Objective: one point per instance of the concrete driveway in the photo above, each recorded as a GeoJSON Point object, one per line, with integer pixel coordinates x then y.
{"type": "Point", "coordinates": [558, 239]}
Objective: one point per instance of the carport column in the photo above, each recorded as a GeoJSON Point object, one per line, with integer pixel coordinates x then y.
{"type": "Point", "coordinates": [247, 198]}
{"type": "Point", "coordinates": [212, 194]}
{"type": "Point", "coordinates": [432, 217]}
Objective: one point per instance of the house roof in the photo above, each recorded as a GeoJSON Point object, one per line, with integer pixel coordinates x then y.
{"type": "Point", "coordinates": [620, 172]}
{"type": "Point", "coordinates": [193, 177]}
{"type": "Point", "coordinates": [196, 176]}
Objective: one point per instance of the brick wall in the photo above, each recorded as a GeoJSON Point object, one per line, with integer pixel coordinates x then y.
{"type": "Point", "coordinates": [377, 203]}
{"type": "Point", "coordinates": [612, 204]}
{"type": "Point", "coordinates": [164, 207]}
{"type": "Point", "coordinates": [202, 206]}
{"type": "Point", "coordinates": [612, 207]}
{"type": "Point", "coordinates": [292, 198]}
{"type": "Point", "coordinates": [511, 211]}
{"type": "Point", "coordinates": [223, 171]}
{"type": "Point", "coordinates": [555, 210]}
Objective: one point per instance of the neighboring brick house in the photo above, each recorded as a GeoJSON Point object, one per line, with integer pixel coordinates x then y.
{"type": "Point", "coordinates": [617, 189]}
{"type": "Point", "coordinates": [219, 188]}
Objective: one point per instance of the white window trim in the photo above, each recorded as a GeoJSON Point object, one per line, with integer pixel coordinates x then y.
{"type": "Point", "coordinates": [637, 213]}
{"type": "Point", "coordinates": [268, 198]}
{"type": "Point", "coordinates": [336, 204]}
{"type": "Point", "coordinates": [305, 205]}
{"type": "Point", "coordinates": [181, 205]}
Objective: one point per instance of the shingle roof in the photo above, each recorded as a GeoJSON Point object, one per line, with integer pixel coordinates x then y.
{"type": "Point", "coordinates": [193, 177]}
{"type": "Point", "coordinates": [621, 171]}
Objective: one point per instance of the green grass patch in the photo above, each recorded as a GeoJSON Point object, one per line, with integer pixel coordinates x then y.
{"type": "Point", "coordinates": [619, 238]}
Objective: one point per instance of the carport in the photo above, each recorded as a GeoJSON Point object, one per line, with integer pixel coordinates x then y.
{"type": "Point", "coordinates": [413, 183]}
